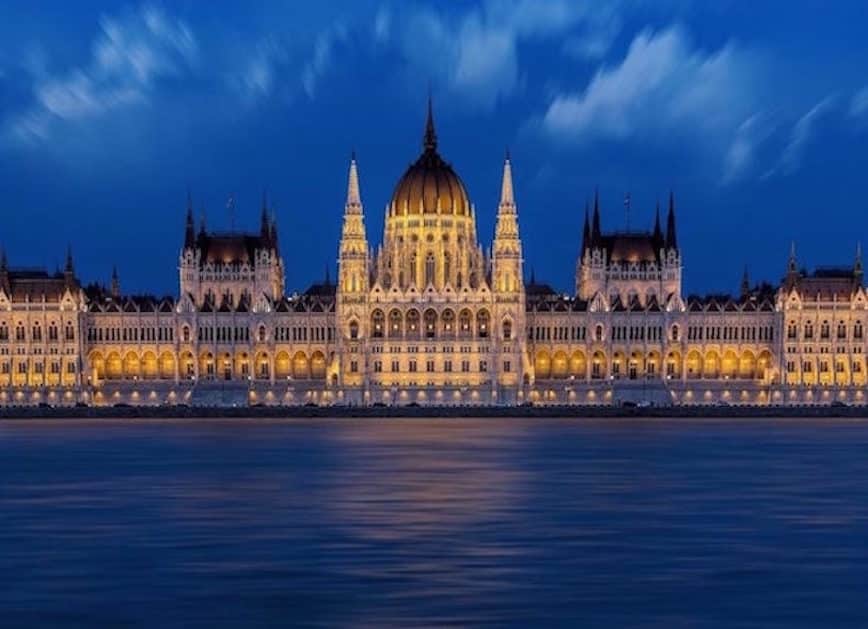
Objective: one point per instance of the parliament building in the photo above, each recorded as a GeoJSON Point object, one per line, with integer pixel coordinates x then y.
{"type": "Point", "coordinates": [431, 317]}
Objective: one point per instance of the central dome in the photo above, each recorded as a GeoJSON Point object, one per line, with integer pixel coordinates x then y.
{"type": "Point", "coordinates": [430, 186]}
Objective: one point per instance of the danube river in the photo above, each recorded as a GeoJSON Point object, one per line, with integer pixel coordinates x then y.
{"type": "Point", "coordinates": [374, 523]}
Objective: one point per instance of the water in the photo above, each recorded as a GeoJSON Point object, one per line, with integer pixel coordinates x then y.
{"type": "Point", "coordinates": [378, 523]}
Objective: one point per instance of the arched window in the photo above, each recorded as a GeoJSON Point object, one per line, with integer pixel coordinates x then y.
{"type": "Point", "coordinates": [598, 333]}
{"type": "Point", "coordinates": [447, 268]}
{"type": "Point", "coordinates": [185, 334]}
{"type": "Point", "coordinates": [37, 332]}
{"type": "Point", "coordinates": [354, 329]}
{"type": "Point", "coordinates": [448, 321]}
{"type": "Point", "coordinates": [824, 330]}
{"type": "Point", "coordinates": [430, 324]}
{"type": "Point", "coordinates": [507, 330]}
{"type": "Point", "coordinates": [378, 324]}
{"type": "Point", "coordinates": [413, 323]}
{"type": "Point", "coordinates": [482, 323]}
{"type": "Point", "coordinates": [857, 330]}
{"type": "Point", "coordinates": [4, 332]}
{"type": "Point", "coordinates": [791, 331]}
{"type": "Point", "coordinates": [429, 269]}
{"type": "Point", "coordinates": [394, 324]}
{"type": "Point", "coordinates": [842, 330]}
{"type": "Point", "coordinates": [675, 333]}
{"type": "Point", "coordinates": [464, 320]}
{"type": "Point", "coordinates": [809, 330]}
{"type": "Point", "coordinates": [261, 334]}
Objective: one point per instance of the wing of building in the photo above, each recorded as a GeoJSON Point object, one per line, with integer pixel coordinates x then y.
{"type": "Point", "coordinates": [428, 317]}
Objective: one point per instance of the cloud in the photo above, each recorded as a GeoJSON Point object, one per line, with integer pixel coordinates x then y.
{"type": "Point", "coordinates": [474, 55]}
{"type": "Point", "coordinates": [740, 158]}
{"type": "Point", "coordinates": [803, 131]}
{"type": "Point", "coordinates": [129, 57]}
{"type": "Point", "coordinates": [859, 103]}
{"type": "Point", "coordinates": [662, 85]}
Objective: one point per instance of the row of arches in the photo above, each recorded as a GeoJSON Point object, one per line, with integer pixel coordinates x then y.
{"type": "Point", "coordinates": [634, 365]}
{"type": "Point", "coordinates": [207, 365]}
{"type": "Point", "coordinates": [430, 324]}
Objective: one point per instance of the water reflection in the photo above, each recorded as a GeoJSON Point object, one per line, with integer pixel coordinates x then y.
{"type": "Point", "coordinates": [419, 523]}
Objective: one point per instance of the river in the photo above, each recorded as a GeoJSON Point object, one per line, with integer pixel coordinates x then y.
{"type": "Point", "coordinates": [456, 522]}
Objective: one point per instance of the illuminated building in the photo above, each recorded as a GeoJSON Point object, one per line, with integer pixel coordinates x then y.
{"type": "Point", "coordinates": [429, 318]}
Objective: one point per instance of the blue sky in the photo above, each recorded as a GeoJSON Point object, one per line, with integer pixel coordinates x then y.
{"type": "Point", "coordinates": [755, 113]}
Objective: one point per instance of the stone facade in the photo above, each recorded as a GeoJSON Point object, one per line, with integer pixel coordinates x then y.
{"type": "Point", "coordinates": [428, 317]}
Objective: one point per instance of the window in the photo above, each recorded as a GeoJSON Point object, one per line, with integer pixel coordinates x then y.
{"type": "Point", "coordinates": [857, 330]}
{"type": "Point", "coordinates": [261, 335]}
{"type": "Point", "coordinates": [354, 330]}
{"type": "Point", "coordinates": [507, 330]}
{"type": "Point", "coordinates": [185, 334]}
{"type": "Point", "coordinates": [824, 330]}
{"type": "Point", "coordinates": [482, 322]}
{"type": "Point", "coordinates": [483, 366]}
{"type": "Point", "coordinates": [598, 333]}
{"type": "Point", "coordinates": [675, 333]}
{"type": "Point", "coordinates": [507, 366]}
{"type": "Point", "coordinates": [429, 269]}
{"type": "Point", "coordinates": [809, 331]}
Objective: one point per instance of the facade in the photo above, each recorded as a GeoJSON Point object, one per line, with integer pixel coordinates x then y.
{"type": "Point", "coordinates": [429, 318]}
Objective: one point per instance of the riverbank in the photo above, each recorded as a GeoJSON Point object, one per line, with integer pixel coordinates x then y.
{"type": "Point", "coordinates": [167, 412]}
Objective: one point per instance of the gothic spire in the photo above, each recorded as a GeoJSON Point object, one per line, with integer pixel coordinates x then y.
{"type": "Point", "coordinates": [354, 197]}
{"type": "Point", "coordinates": [857, 264]}
{"type": "Point", "coordinates": [264, 226]}
{"type": "Point", "coordinates": [116, 283]}
{"type": "Point", "coordinates": [507, 197]}
{"type": "Point", "coordinates": [190, 227]}
{"type": "Point", "coordinates": [745, 283]}
{"type": "Point", "coordinates": [792, 262]}
{"type": "Point", "coordinates": [595, 229]}
{"type": "Point", "coordinates": [671, 239]}
{"type": "Point", "coordinates": [430, 140]}
{"type": "Point", "coordinates": [69, 266]}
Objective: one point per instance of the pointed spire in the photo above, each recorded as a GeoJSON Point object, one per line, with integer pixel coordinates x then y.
{"type": "Point", "coordinates": [189, 227]}
{"type": "Point", "coordinates": [792, 262]}
{"type": "Point", "coordinates": [430, 140]}
{"type": "Point", "coordinates": [857, 264]}
{"type": "Point", "coordinates": [595, 229]}
{"type": "Point", "coordinates": [745, 283]}
{"type": "Point", "coordinates": [354, 196]}
{"type": "Point", "coordinates": [507, 197]}
{"type": "Point", "coordinates": [69, 266]}
{"type": "Point", "coordinates": [671, 239]}
{"type": "Point", "coordinates": [116, 283]}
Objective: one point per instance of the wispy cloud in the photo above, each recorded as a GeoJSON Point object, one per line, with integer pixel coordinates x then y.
{"type": "Point", "coordinates": [859, 103]}
{"type": "Point", "coordinates": [803, 131]}
{"type": "Point", "coordinates": [129, 57]}
{"type": "Point", "coordinates": [661, 85]}
{"type": "Point", "coordinates": [474, 55]}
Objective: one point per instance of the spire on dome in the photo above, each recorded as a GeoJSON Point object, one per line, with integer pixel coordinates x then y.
{"type": "Point", "coordinates": [430, 140]}
{"type": "Point", "coordinates": [671, 239]}
{"type": "Point", "coordinates": [354, 197]}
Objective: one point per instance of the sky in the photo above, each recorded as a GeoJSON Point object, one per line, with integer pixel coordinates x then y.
{"type": "Point", "coordinates": [754, 113]}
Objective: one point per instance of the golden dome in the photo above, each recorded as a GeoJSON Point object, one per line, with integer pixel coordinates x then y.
{"type": "Point", "coordinates": [430, 186]}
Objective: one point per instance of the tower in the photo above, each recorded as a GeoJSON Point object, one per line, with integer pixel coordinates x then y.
{"type": "Point", "coordinates": [352, 285]}
{"type": "Point", "coordinates": [508, 289]}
